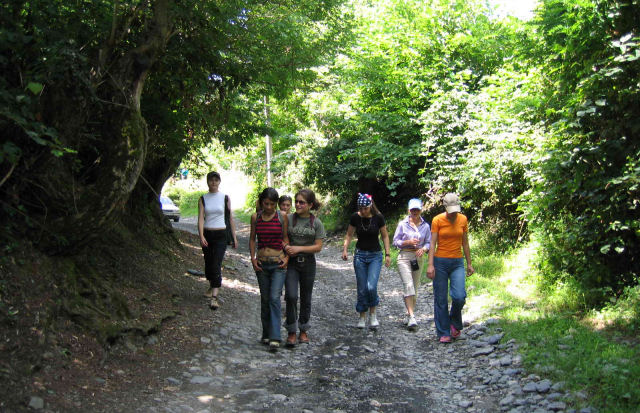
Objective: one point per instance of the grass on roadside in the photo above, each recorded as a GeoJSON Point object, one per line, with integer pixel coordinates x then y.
{"type": "Point", "coordinates": [556, 341]}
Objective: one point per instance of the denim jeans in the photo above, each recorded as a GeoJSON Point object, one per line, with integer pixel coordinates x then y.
{"type": "Point", "coordinates": [270, 281]}
{"type": "Point", "coordinates": [213, 256]}
{"type": "Point", "coordinates": [303, 274]}
{"type": "Point", "coordinates": [367, 265]}
{"type": "Point", "coordinates": [450, 278]}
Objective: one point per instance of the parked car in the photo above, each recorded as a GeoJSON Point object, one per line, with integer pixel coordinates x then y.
{"type": "Point", "coordinates": [169, 209]}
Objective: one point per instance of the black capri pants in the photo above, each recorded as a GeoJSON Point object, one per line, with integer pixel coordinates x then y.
{"type": "Point", "coordinates": [213, 256]}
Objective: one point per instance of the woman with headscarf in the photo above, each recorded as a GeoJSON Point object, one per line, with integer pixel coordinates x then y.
{"type": "Point", "coordinates": [369, 225]}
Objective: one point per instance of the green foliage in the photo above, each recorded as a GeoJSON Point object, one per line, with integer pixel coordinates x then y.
{"type": "Point", "coordinates": [187, 201]}
{"type": "Point", "coordinates": [557, 339]}
{"type": "Point", "coordinates": [585, 360]}
{"type": "Point", "coordinates": [585, 198]}
{"type": "Point", "coordinates": [421, 108]}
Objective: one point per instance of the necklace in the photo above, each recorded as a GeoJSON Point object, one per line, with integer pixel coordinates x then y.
{"type": "Point", "coordinates": [368, 226]}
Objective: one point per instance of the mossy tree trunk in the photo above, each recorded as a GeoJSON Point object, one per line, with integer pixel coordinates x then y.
{"type": "Point", "coordinates": [72, 199]}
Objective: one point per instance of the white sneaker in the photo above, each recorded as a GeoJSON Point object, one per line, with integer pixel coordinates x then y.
{"type": "Point", "coordinates": [373, 321]}
{"type": "Point", "coordinates": [361, 322]}
{"type": "Point", "coordinates": [412, 324]}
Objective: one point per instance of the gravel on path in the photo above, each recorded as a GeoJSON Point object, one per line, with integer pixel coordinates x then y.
{"type": "Point", "coordinates": [345, 369]}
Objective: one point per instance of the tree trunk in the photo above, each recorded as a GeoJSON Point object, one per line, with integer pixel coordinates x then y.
{"type": "Point", "coordinates": [71, 199]}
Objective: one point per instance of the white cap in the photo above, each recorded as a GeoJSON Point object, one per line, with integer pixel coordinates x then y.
{"type": "Point", "coordinates": [415, 203]}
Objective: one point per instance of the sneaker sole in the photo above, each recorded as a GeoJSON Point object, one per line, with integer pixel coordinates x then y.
{"type": "Point", "coordinates": [412, 328]}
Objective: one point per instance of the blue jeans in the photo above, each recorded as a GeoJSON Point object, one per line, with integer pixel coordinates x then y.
{"type": "Point", "coordinates": [270, 281]}
{"type": "Point", "coordinates": [448, 269]}
{"type": "Point", "coordinates": [367, 265]}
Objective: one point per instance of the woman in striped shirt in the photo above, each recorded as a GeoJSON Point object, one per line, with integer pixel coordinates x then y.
{"type": "Point", "coordinates": [269, 227]}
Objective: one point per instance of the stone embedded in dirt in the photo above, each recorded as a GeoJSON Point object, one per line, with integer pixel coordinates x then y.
{"type": "Point", "coordinates": [36, 403]}
{"type": "Point", "coordinates": [197, 273]}
{"type": "Point", "coordinates": [556, 406]}
{"type": "Point", "coordinates": [201, 379]}
{"type": "Point", "coordinates": [507, 400]}
{"type": "Point", "coordinates": [483, 351]}
{"type": "Point", "coordinates": [494, 339]}
{"type": "Point", "coordinates": [505, 361]}
{"type": "Point", "coordinates": [543, 386]}
{"type": "Point", "coordinates": [465, 404]}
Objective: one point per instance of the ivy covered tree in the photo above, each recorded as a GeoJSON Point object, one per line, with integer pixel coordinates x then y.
{"type": "Point", "coordinates": [101, 99]}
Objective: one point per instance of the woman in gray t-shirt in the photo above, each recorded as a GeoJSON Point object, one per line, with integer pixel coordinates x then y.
{"type": "Point", "coordinates": [306, 233]}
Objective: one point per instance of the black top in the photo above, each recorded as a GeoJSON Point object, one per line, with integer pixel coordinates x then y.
{"type": "Point", "coordinates": [368, 231]}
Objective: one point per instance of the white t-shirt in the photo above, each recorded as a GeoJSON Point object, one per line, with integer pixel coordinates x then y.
{"type": "Point", "coordinates": [214, 210]}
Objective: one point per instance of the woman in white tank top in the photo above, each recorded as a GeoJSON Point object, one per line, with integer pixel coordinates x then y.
{"type": "Point", "coordinates": [213, 238]}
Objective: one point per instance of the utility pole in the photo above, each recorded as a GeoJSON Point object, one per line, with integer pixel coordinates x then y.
{"type": "Point", "coordinates": [269, 154]}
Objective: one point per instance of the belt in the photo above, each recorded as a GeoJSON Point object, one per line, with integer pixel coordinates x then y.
{"type": "Point", "coordinates": [302, 257]}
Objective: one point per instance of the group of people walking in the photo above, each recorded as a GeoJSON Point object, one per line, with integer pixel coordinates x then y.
{"type": "Point", "coordinates": [283, 245]}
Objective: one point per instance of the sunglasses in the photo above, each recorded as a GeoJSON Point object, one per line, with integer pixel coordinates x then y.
{"type": "Point", "coordinates": [300, 202]}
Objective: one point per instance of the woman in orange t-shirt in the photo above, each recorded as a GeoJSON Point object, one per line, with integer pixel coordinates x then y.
{"type": "Point", "coordinates": [446, 267]}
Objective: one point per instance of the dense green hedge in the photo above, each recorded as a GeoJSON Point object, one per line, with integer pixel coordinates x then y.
{"type": "Point", "coordinates": [585, 199]}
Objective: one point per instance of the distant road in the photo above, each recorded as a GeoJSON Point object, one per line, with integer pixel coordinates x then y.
{"type": "Point", "coordinates": [189, 224]}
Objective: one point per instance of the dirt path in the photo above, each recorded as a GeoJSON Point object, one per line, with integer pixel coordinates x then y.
{"type": "Point", "coordinates": [344, 368]}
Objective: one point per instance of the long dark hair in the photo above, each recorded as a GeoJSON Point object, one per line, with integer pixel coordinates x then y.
{"type": "Point", "coordinates": [310, 197]}
{"type": "Point", "coordinates": [268, 193]}
{"type": "Point", "coordinates": [374, 209]}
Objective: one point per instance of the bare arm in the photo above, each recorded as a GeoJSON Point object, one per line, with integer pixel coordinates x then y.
{"type": "Point", "coordinates": [467, 253]}
{"type": "Point", "coordinates": [285, 239]}
{"type": "Point", "coordinates": [252, 245]}
{"type": "Point", "coordinates": [233, 224]}
{"type": "Point", "coordinates": [308, 249]}
{"type": "Point", "coordinates": [431, 270]}
{"type": "Point", "coordinates": [347, 240]}
{"type": "Point", "coordinates": [387, 251]}
{"type": "Point", "coordinates": [203, 241]}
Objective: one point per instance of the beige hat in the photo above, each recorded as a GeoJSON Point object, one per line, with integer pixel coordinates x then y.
{"type": "Point", "coordinates": [451, 203]}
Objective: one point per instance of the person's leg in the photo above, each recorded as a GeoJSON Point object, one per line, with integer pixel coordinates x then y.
{"type": "Point", "coordinates": [264, 283]}
{"type": "Point", "coordinates": [219, 249]}
{"type": "Point", "coordinates": [373, 275]}
{"type": "Point", "coordinates": [307, 278]}
{"type": "Point", "coordinates": [457, 292]}
{"type": "Point", "coordinates": [291, 297]}
{"type": "Point", "coordinates": [440, 300]}
{"type": "Point", "coordinates": [360, 268]}
{"type": "Point", "coordinates": [277, 282]}
{"type": "Point", "coordinates": [404, 269]}
{"type": "Point", "coordinates": [208, 260]}
{"type": "Point", "coordinates": [415, 275]}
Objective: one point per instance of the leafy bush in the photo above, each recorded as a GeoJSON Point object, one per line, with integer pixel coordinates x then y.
{"type": "Point", "coordinates": [585, 197]}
